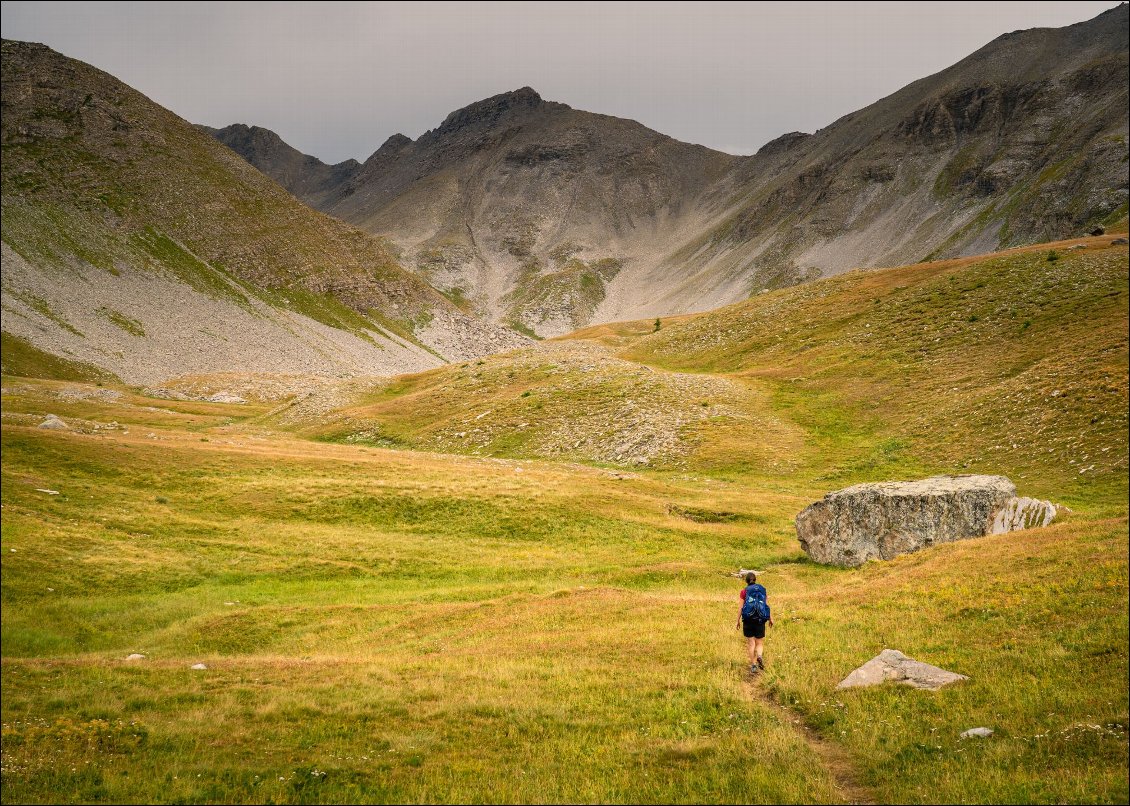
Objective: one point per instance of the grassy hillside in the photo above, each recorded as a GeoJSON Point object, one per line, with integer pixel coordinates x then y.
{"type": "Point", "coordinates": [111, 200]}
{"type": "Point", "coordinates": [550, 620]}
{"type": "Point", "coordinates": [96, 172]}
{"type": "Point", "coordinates": [1011, 363]}
{"type": "Point", "coordinates": [566, 400]}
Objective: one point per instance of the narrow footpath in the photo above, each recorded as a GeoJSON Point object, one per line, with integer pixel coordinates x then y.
{"type": "Point", "coordinates": [834, 758]}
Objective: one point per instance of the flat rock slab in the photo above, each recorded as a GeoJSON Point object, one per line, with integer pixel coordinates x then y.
{"type": "Point", "coordinates": [892, 665]}
{"type": "Point", "coordinates": [881, 521]}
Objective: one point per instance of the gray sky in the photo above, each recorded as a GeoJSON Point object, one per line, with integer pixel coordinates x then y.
{"type": "Point", "coordinates": [336, 79]}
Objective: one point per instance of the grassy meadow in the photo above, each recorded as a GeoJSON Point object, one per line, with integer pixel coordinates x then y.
{"type": "Point", "coordinates": [388, 614]}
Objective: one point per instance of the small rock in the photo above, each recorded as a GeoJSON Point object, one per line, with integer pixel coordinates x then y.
{"type": "Point", "coordinates": [53, 423]}
{"type": "Point", "coordinates": [135, 656]}
{"type": "Point", "coordinates": [890, 664]}
{"type": "Point", "coordinates": [1118, 242]}
{"type": "Point", "coordinates": [977, 733]}
{"type": "Point", "coordinates": [1098, 231]}
{"type": "Point", "coordinates": [199, 667]}
{"type": "Point", "coordinates": [44, 490]}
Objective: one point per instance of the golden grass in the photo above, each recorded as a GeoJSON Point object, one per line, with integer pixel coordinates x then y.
{"type": "Point", "coordinates": [389, 624]}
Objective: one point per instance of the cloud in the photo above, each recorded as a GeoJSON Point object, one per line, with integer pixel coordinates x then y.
{"type": "Point", "coordinates": [336, 79]}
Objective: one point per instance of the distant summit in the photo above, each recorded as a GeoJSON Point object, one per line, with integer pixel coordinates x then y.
{"type": "Point", "coordinates": [488, 111]}
{"type": "Point", "coordinates": [306, 177]}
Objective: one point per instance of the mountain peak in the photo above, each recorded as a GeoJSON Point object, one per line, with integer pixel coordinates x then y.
{"type": "Point", "coordinates": [489, 110]}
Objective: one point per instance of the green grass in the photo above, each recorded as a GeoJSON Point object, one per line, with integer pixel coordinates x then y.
{"type": "Point", "coordinates": [131, 326]}
{"type": "Point", "coordinates": [392, 624]}
{"type": "Point", "coordinates": [419, 627]}
{"type": "Point", "coordinates": [186, 266]}
{"type": "Point", "coordinates": [1007, 364]}
{"type": "Point", "coordinates": [1035, 619]}
{"type": "Point", "coordinates": [19, 357]}
{"type": "Point", "coordinates": [577, 285]}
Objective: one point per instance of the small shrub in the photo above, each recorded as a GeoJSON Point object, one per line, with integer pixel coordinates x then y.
{"type": "Point", "coordinates": [1053, 256]}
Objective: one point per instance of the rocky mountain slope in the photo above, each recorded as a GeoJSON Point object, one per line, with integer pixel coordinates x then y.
{"type": "Point", "coordinates": [548, 217]}
{"type": "Point", "coordinates": [139, 245]}
{"type": "Point", "coordinates": [1023, 141]}
{"type": "Point", "coordinates": [525, 208]}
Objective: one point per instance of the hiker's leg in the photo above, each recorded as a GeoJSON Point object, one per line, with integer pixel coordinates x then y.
{"type": "Point", "coordinates": [757, 648]}
{"type": "Point", "coordinates": [752, 651]}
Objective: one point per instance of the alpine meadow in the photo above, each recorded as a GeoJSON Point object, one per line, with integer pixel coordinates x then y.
{"type": "Point", "coordinates": [430, 478]}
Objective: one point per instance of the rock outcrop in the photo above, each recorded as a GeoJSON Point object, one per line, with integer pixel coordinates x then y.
{"type": "Point", "coordinates": [881, 521]}
{"type": "Point", "coordinates": [52, 423]}
{"type": "Point", "coordinates": [892, 665]}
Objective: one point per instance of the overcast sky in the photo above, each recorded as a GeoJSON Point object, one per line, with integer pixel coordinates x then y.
{"type": "Point", "coordinates": [336, 79]}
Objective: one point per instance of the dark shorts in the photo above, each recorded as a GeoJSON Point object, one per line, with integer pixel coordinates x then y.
{"type": "Point", "coordinates": [753, 629]}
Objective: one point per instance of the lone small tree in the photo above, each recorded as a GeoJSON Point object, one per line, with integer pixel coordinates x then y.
{"type": "Point", "coordinates": [658, 324]}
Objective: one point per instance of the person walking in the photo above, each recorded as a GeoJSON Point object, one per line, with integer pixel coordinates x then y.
{"type": "Point", "coordinates": [755, 614]}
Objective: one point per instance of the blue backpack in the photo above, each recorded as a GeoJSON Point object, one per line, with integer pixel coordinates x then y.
{"type": "Point", "coordinates": [755, 606]}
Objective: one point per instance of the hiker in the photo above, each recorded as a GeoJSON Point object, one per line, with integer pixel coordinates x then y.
{"type": "Point", "coordinates": [754, 616]}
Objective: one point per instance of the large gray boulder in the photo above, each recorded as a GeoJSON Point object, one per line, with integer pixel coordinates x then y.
{"type": "Point", "coordinates": [892, 665]}
{"type": "Point", "coordinates": [881, 521]}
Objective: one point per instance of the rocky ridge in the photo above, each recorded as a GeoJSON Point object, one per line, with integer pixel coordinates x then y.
{"type": "Point", "coordinates": [306, 177]}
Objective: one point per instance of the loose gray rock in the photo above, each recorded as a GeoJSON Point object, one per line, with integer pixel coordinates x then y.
{"type": "Point", "coordinates": [977, 733]}
{"type": "Point", "coordinates": [892, 665]}
{"type": "Point", "coordinates": [1118, 242]}
{"type": "Point", "coordinates": [53, 423]}
{"type": "Point", "coordinates": [881, 521]}
{"type": "Point", "coordinates": [1022, 513]}
{"type": "Point", "coordinates": [135, 656]}
{"type": "Point", "coordinates": [199, 667]}
{"type": "Point", "coordinates": [225, 397]}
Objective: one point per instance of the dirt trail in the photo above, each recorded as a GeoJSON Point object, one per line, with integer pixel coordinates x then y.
{"type": "Point", "coordinates": [834, 758]}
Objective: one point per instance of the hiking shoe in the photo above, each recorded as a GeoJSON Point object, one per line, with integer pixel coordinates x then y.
{"type": "Point", "coordinates": [753, 668]}
{"type": "Point", "coordinates": [760, 663]}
